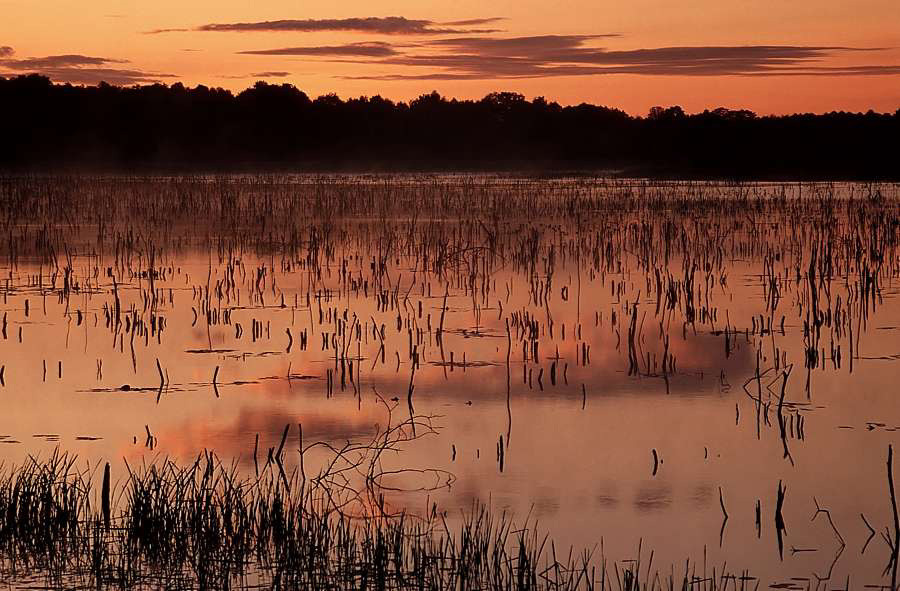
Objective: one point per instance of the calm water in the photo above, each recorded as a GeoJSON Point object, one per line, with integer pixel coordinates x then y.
{"type": "Point", "coordinates": [589, 326]}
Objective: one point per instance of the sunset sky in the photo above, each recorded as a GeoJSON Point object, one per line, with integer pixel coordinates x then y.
{"type": "Point", "coordinates": [772, 57]}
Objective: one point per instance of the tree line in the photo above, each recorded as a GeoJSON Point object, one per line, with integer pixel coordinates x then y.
{"type": "Point", "coordinates": [53, 127]}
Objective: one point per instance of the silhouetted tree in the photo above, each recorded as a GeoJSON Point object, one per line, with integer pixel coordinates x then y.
{"type": "Point", "coordinates": [158, 127]}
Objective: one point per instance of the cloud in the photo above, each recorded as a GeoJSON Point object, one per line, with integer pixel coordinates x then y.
{"type": "Point", "coordinates": [113, 76]}
{"type": "Point", "coordinates": [391, 25]}
{"type": "Point", "coordinates": [470, 58]}
{"type": "Point", "coordinates": [531, 47]}
{"type": "Point", "coordinates": [266, 74]}
{"type": "Point", "coordinates": [6, 51]}
{"type": "Point", "coordinates": [475, 21]}
{"type": "Point", "coordinates": [79, 69]}
{"type": "Point", "coordinates": [367, 49]}
{"type": "Point", "coordinates": [875, 70]}
{"type": "Point", "coordinates": [401, 77]}
{"type": "Point", "coordinates": [58, 61]}
{"type": "Point", "coordinates": [158, 31]}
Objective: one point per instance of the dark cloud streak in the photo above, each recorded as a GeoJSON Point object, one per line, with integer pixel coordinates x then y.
{"type": "Point", "coordinates": [471, 58]}
{"type": "Point", "coordinates": [391, 25]}
{"type": "Point", "coordinates": [58, 61]}
{"type": "Point", "coordinates": [531, 47]}
{"type": "Point", "coordinates": [475, 21]}
{"type": "Point", "coordinates": [368, 49]}
{"type": "Point", "coordinates": [159, 31]}
{"type": "Point", "coordinates": [119, 77]}
{"type": "Point", "coordinates": [274, 74]}
{"type": "Point", "coordinates": [79, 69]}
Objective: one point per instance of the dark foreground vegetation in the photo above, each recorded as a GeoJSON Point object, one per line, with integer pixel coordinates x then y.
{"type": "Point", "coordinates": [207, 525]}
{"type": "Point", "coordinates": [50, 127]}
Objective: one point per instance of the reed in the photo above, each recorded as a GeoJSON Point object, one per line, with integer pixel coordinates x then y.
{"type": "Point", "coordinates": [204, 525]}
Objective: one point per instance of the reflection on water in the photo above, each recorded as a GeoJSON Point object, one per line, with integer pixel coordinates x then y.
{"type": "Point", "coordinates": [649, 359]}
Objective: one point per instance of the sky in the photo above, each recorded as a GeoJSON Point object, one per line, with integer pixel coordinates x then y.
{"type": "Point", "coordinates": [765, 55]}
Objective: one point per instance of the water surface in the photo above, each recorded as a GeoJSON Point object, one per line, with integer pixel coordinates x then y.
{"type": "Point", "coordinates": [650, 356]}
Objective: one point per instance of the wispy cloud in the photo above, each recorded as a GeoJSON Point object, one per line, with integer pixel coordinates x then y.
{"type": "Point", "coordinates": [271, 74]}
{"type": "Point", "coordinates": [469, 58]}
{"type": "Point", "coordinates": [79, 69]}
{"type": "Point", "coordinates": [876, 70]}
{"type": "Point", "coordinates": [6, 50]}
{"type": "Point", "coordinates": [173, 30]}
{"type": "Point", "coordinates": [390, 25]}
{"type": "Point", "coordinates": [475, 21]}
{"type": "Point", "coordinates": [58, 61]}
{"type": "Point", "coordinates": [532, 47]}
{"type": "Point", "coordinates": [367, 49]}
{"type": "Point", "coordinates": [119, 77]}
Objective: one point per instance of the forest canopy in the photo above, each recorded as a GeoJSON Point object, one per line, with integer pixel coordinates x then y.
{"type": "Point", "coordinates": [60, 127]}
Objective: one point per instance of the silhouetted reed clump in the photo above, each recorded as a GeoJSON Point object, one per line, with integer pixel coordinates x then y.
{"type": "Point", "coordinates": [204, 526]}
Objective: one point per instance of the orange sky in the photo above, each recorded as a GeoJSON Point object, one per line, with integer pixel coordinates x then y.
{"type": "Point", "coordinates": [768, 56]}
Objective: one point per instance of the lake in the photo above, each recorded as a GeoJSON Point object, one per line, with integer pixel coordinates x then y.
{"type": "Point", "coordinates": [704, 371]}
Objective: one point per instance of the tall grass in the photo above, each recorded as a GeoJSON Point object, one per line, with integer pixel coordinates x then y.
{"type": "Point", "coordinates": [203, 525]}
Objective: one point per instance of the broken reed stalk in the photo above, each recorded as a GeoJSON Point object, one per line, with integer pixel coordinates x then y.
{"type": "Point", "coordinates": [895, 547]}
